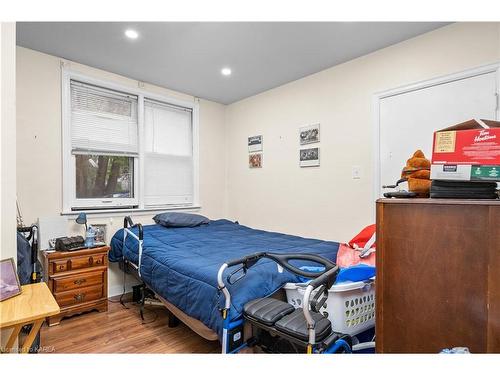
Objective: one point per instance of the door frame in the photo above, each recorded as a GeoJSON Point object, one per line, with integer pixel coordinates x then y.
{"type": "Point", "coordinates": [378, 96]}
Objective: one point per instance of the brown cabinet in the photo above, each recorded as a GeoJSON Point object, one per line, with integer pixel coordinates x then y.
{"type": "Point", "coordinates": [438, 275]}
{"type": "Point", "coordinates": [78, 280]}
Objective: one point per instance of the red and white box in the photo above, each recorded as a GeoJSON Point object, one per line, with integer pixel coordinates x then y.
{"type": "Point", "coordinates": [474, 142]}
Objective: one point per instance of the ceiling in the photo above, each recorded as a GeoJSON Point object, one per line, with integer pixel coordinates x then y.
{"type": "Point", "coordinates": [188, 56]}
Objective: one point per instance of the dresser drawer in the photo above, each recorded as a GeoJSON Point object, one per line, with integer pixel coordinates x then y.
{"type": "Point", "coordinates": [78, 296]}
{"type": "Point", "coordinates": [59, 266]}
{"type": "Point", "coordinates": [78, 281]}
{"type": "Point", "coordinates": [86, 261]}
{"type": "Point", "coordinates": [76, 263]}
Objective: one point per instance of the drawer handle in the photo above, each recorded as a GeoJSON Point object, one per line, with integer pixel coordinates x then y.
{"type": "Point", "coordinates": [91, 260]}
{"type": "Point", "coordinates": [98, 261]}
{"type": "Point", "coordinates": [79, 297]}
{"type": "Point", "coordinates": [80, 281]}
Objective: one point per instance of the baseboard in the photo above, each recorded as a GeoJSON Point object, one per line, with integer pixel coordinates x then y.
{"type": "Point", "coordinates": [117, 290]}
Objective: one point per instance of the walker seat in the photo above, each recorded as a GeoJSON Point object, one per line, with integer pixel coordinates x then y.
{"type": "Point", "coordinates": [285, 318]}
{"type": "Point", "coordinates": [295, 324]}
{"type": "Point", "coordinates": [267, 310]}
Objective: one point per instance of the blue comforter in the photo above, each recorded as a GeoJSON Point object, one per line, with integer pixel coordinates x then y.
{"type": "Point", "coordinates": [181, 264]}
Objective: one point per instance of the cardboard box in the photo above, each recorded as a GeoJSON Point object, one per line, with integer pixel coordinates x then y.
{"type": "Point", "coordinates": [465, 172]}
{"type": "Point", "coordinates": [474, 142]}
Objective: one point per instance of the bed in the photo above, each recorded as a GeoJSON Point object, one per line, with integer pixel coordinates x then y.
{"type": "Point", "coordinates": [181, 264]}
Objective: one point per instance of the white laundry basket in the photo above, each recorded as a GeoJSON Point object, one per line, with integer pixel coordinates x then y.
{"type": "Point", "coordinates": [350, 306]}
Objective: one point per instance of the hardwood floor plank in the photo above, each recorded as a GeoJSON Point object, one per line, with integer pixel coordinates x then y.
{"type": "Point", "coordinates": [120, 330]}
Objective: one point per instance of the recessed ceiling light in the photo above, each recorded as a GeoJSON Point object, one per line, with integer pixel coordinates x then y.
{"type": "Point", "coordinates": [132, 34]}
{"type": "Point", "coordinates": [225, 71]}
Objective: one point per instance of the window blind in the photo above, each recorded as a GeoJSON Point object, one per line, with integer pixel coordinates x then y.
{"type": "Point", "coordinates": [168, 154]}
{"type": "Point", "coordinates": [102, 120]}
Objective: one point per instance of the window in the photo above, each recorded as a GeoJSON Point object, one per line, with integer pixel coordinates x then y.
{"type": "Point", "coordinates": [104, 176]}
{"type": "Point", "coordinates": [168, 154]}
{"type": "Point", "coordinates": [125, 148]}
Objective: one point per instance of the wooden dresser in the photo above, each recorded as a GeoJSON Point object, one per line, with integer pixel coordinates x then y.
{"type": "Point", "coordinates": [78, 280]}
{"type": "Point", "coordinates": [438, 275]}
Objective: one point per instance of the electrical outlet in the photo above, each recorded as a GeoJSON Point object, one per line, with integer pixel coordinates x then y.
{"type": "Point", "coordinates": [356, 172]}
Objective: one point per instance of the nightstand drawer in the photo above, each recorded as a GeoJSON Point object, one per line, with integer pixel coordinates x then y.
{"type": "Point", "coordinates": [78, 281]}
{"type": "Point", "coordinates": [78, 296]}
{"type": "Point", "coordinates": [86, 261]}
{"type": "Point", "coordinates": [59, 266]}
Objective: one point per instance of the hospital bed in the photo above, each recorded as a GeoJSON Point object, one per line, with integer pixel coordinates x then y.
{"type": "Point", "coordinates": [181, 266]}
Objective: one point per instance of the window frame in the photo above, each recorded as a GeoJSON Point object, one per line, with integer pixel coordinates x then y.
{"type": "Point", "coordinates": [70, 204]}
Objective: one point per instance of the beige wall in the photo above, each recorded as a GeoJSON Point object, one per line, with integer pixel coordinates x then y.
{"type": "Point", "coordinates": [39, 159]}
{"type": "Point", "coordinates": [326, 202]}
{"type": "Point", "coordinates": [322, 202]}
{"type": "Point", "coordinates": [8, 141]}
{"type": "Point", "coordinates": [7, 147]}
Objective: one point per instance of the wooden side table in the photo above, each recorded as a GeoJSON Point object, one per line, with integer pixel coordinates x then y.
{"type": "Point", "coordinates": [78, 280]}
{"type": "Point", "coordinates": [32, 306]}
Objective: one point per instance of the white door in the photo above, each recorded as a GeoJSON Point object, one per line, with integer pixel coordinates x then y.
{"type": "Point", "coordinates": [407, 120]}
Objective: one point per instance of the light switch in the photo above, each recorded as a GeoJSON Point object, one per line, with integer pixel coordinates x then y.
{"type": "Point", "coordinates": [356, 172]}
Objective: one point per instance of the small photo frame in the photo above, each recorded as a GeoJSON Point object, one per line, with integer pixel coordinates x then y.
{"type": "Point", "coordinates": [100, 233]}
{"type": "Point", "coordinates": [309, 134]}
{"type": "Point", "coordinates": [309, 157]}
{"type": "Point", "coordinates": [9, 281]}
{"type": "Point", "coordinates": [255, 143]}
{"type": "Point", "coordinates": [255, 160]}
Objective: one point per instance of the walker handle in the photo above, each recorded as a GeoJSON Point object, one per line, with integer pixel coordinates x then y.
{"type": "Point", "coordinates": [248, 261]}
{"type": "Point", "coordinates": [284, 261]}
{"type": "Point", "coordinates": [326, 278]}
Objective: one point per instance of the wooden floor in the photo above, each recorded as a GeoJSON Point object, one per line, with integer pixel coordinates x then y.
{"type": "Point", "coordinates": [119, 330]}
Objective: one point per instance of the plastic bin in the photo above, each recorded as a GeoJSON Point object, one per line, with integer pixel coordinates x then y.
{"type": "Point", "coordinates": [350, 306]}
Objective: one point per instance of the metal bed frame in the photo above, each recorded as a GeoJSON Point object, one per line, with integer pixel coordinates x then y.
{"type": "Point", "coordinates": [233, 331]}
{"type": "Point", "coordinates": [174, 313]}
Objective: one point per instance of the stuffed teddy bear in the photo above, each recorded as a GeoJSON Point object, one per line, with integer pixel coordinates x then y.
{"type": "Point", "coordinates": [417, 172]}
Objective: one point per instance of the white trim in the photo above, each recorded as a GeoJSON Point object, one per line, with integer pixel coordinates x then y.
{"type": "Point", "coordinates": [73, 74]}
{"type": "Point", "coordinates": [140, 124]}
{"type": "Point", "coordinates": [378, 96]}
{"type": "Point", "coordinates": [67, 183]}
{"type": "Point", "coordinates": [68, 163]}
{"type": "Point", "coordinates": [195, 118]}
{"type": "Point", "coordinates": [112, 212]}
{"type": "Point", "coordinates": [439, 80]}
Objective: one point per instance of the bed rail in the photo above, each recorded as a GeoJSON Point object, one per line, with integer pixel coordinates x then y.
{"type": "Point", "coordinates": [128, 225]}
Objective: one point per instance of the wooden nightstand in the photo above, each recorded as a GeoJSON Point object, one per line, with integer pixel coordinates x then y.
{"type": "Point", "coordinates": [78, 280]}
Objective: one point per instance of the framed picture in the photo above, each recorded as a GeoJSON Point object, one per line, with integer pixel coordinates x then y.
{"type": "Point", "coordinates": [255, 143]}
{"type": "Point", "coordinates": [100, 232]}
{"type": "Point", "coordinates": [255, 160]}
{"type": "Point", "coordinates": [9, 282]}
{"type": "Point", "coordinates": [309, 134]}
{"type": "Point", "coordinates": [309, 157]}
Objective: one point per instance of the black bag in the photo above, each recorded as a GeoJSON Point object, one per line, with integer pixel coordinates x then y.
{"type": "Point", "coordinates": [464, 189]}
{"type": "Point", "coordinates": [29, 269]}
{"type": "Point", "coordinates": [69, 243]}
{"type": "Point", "coordinates": [24, 266]}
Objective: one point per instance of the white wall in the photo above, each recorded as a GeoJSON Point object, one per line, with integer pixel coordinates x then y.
{"type": "Point", "coordinates": [39, 159]}
{"type": "Point", "coordinates": [7, 146]}
{"type": "Point", "coordinates": [8, 141]}
{"type": "Point", "coordinates": [325, 202]}
{"type": "Point", "coordinates": [322, 202]}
